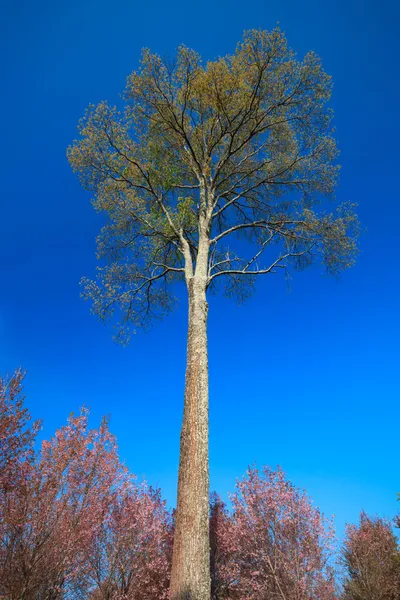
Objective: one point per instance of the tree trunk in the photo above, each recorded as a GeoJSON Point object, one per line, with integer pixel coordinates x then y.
{"type": "Point", "coordinates": [190, 579]}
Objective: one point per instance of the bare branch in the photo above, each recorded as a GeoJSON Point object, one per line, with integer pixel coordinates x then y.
{"type": "Point", "coordinates": [270, 269]}
{"type": "Point", "coordinates": [255, 224]}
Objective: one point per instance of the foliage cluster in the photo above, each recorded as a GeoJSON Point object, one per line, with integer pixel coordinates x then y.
{"type": "Point", "coordinates": [220, 165]}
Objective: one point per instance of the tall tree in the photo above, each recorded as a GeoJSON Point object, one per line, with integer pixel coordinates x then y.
{"type": "Point", "coordinates": [201, 155]}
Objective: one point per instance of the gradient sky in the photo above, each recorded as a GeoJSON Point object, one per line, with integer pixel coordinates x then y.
{"type": "Point", "coordinates": [305, 377]}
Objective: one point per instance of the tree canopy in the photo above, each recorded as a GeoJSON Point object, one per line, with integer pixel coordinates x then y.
{"type": "Point", "coordinates": [239, 147]}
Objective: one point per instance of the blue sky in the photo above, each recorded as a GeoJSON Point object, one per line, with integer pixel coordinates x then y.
{"type": "Point", "coordinates": [307, 378]}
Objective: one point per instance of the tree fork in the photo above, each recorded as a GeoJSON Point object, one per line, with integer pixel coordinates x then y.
{"type": "Point", "coordinates": [190, 578]}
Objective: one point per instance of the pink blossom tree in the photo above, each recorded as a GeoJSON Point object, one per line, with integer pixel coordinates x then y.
{"type": "Point", "coordinates": [130, 554]}
{"type": "Point", "coordinates": [56, 508]}
{"type": "Point", "coordinates": [372, 561]}
{"type": "Point", "coordinates": [224, 572]}
{"type": "Point", "coordinates": [17, 432]}
{"type": "Point", "coordinates": [277, 546]}
{"type": "Point", "coordinates": [73, 521]}
{"type": "Point", "coordinates": [17, 457]}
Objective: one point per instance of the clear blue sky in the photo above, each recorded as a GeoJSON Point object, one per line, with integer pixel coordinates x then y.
{"type": "Point", "coordinates": [306, 378]}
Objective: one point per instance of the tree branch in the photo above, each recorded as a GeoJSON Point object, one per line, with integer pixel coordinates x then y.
{"type": "Point", "coordinates": [274, 265]}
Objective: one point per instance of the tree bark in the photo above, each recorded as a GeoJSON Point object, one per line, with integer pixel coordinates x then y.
{"type": "Point", "coordinates": [190, 578]}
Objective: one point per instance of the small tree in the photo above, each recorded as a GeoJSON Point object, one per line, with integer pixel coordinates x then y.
{"type": "Point", "coordinates": [130, 552]}
{"type": "Point", "coordinates": [275, 545]}
{"type": "Point", "coordinates": [372, 561]}
{"type": "Point", "coordinates": [204, 154]}
{"type": "Point", "coordinates": [55, 509]}
{"type": "Point", "coordinates": [224, 572]}
{"type": "Point", "coordinates": [17, 432]}
{"type": "Point", "coordinates": [17, 459]}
